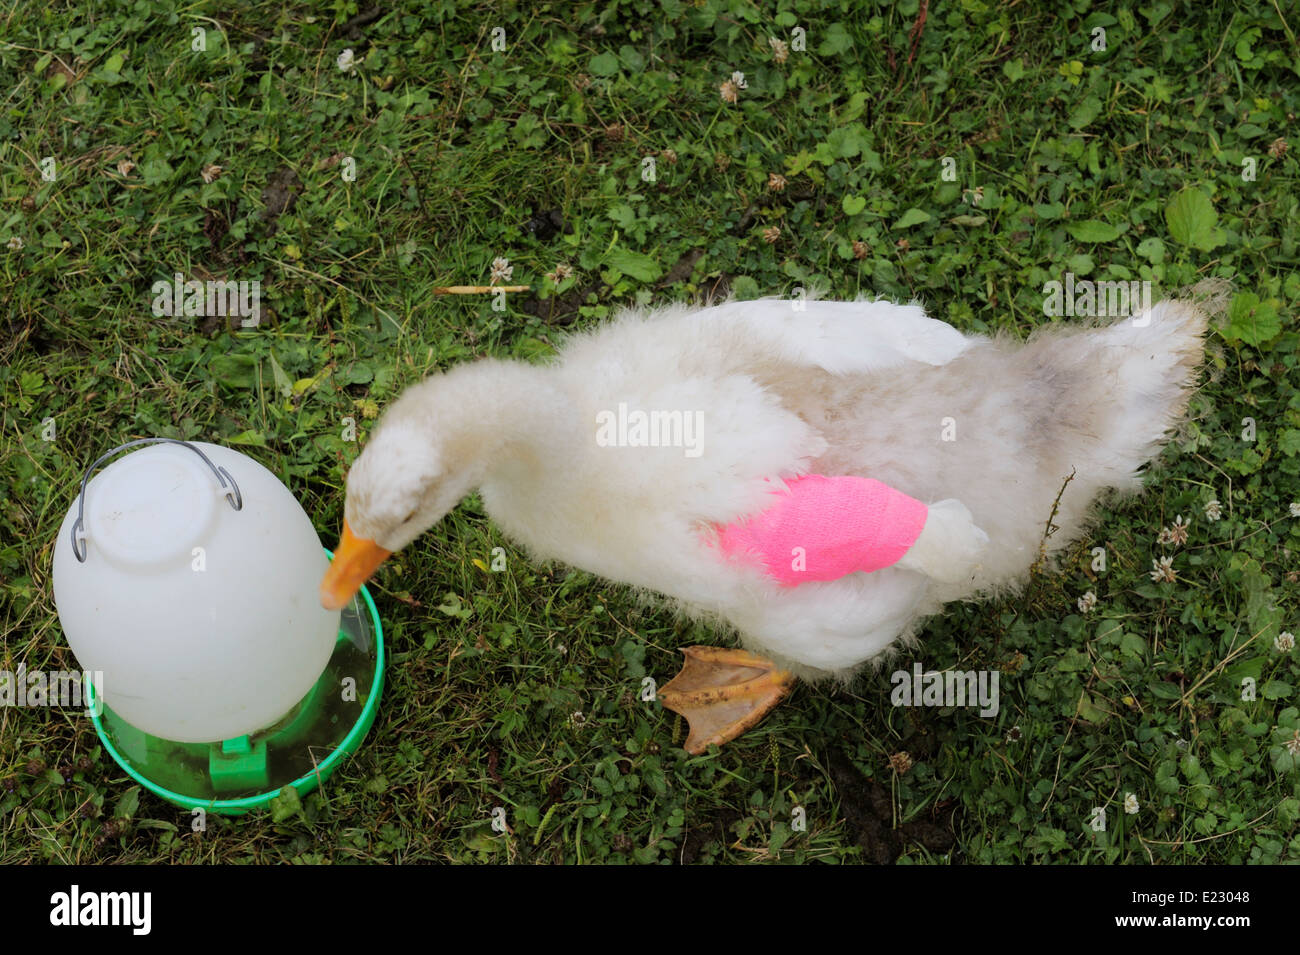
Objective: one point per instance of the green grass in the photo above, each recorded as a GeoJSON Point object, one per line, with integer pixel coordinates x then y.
{"type": "Point", "coordinates": [1082, 160]}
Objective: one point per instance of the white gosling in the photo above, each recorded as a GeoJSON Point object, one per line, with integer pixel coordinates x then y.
{"type": "Point", "coordinates": [982, 430]}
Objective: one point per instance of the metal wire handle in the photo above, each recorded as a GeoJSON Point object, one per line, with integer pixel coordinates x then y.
{"type": "Point", "coordinates": [232, 495]}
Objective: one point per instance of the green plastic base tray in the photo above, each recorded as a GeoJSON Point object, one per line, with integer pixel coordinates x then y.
{"type": "Point", "coordinates": [232, 777]}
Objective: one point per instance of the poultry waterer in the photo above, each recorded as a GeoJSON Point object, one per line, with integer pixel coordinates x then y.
{"type": "Point", "coordinates": [186, 576]}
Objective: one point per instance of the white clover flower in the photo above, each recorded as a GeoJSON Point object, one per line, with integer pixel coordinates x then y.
{"type": "Point", "coordinates": [502, 270]}
{"type": "Point", "coordinates": [1087, 602]}
{"type": "Point", "coordinates": [1162, 570]}
{"type": "Point", "coordinates": [347, 61]}
{"type": "Point", "coordinates": [15, 244]}
{"type": "Point", "coordinates": [1131, 804]}
{"type": "Point", "coordinates": [780, 49]}
{"type": "Point", "coordinates": [1284, 642]}
{"type": "Point", "coordinates": [1179, 530]}
{"type": "Point", "coordinates": [1293, 744]}
{"type": "Point", "coordinates": [1295, 508]}
{"type": "Point", "coordinates": [1213, 510]}
{"type": "Point", "coordinates": [1175, 535]}
{"type": "Point", "coordinates": [739, 79]}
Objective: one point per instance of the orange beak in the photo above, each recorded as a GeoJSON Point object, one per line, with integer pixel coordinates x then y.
{"type": "Point", "coordinates": [354, 562]}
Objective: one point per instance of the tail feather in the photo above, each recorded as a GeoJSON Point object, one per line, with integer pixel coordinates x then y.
{"type": "Point", "coordinates": [1156, 356]}
{"type": "Point", "coordinates": [1106, 398]}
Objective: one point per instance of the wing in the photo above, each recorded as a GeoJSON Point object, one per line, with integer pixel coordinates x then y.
{"type": "Point", "coordinates": [822, 528]}
{"type": "Point", "coordinates": [838, 337]}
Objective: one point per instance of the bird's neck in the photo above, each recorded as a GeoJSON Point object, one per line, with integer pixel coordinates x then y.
{"type": "Point", "coordinates": [509, 419]}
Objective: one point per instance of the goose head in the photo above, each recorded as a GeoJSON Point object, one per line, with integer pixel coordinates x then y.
{"type": "Point", "coordinates": [397, 489]}
{"type": "Point", "coordinates": [436, 444]}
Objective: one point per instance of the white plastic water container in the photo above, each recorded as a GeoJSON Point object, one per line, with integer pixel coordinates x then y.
{"type": "Point", "coordinates": [197, 596]}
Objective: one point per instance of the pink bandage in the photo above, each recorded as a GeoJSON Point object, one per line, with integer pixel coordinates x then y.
{"type": "Point", "coordinates": [822, 528]}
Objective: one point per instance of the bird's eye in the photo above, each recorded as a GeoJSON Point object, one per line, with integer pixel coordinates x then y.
{"type": "Point", "coordinates": [409, 517]}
